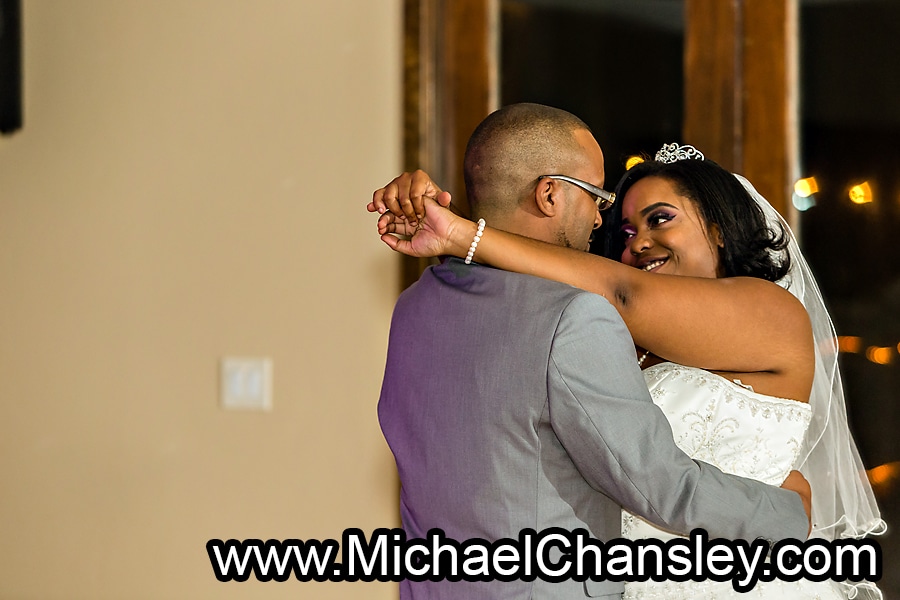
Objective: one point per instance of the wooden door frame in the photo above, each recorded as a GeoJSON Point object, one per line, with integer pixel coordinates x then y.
{"type": "Point", "coordinates": [740, 65]}
{"type": "Point", "coordinates": [450, 85]}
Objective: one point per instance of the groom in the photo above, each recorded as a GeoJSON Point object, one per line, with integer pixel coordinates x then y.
{"type": "Point", "coordinates": [512, 402]}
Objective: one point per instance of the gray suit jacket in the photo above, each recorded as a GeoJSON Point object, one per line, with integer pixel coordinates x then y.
{"type": "Point", "coordinates": [512, 402]}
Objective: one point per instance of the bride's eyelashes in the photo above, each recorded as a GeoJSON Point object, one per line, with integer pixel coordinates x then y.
{"type": "Point", "coordinates": [653, 220]}
{"type": "Point", "coordinates": [658, 218]}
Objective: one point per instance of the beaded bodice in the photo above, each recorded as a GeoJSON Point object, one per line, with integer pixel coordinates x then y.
{"type": "Point", "coordinates": [725, 424]}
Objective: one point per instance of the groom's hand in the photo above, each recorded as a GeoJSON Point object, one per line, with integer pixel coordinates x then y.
{"type": "Point", "coordinates": [796, 482]}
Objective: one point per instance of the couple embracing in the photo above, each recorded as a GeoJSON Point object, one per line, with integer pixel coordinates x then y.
{"type": "Point", "coordinates": [530, 385]}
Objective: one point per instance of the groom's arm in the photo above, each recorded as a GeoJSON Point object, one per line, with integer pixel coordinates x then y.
{"type": "Point", "coordinates": [622, 443]}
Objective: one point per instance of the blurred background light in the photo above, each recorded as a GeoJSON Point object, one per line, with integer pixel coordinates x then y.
{"type": "Point", "coordinates": [861, 194]}
{"type": "Point", "coordinates": [884, 478]}
{"type": "Point", "coordinates": [633, 160]}
{"type": "Point", "coordinates": [880, 355]}
{"type": "Point", "coordinates": [803, 203]}
{"type": "Point", "coordinates": [806, 187]}
{"type": "Point", "coordinates": [849, 343]}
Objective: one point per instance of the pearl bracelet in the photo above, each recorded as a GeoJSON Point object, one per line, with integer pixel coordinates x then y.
{"type": "Point", "coordinates": [475, 241]}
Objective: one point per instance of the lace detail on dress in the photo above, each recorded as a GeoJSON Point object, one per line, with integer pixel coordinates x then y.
{"type": "Point", "coordinates": [629, 521]}
{"type": "Point", "coordinates": [724, 424]}
{"type": "Point", "coordinates": [743, 396]}
{"type": "Point", "coordinates": [741, 432]}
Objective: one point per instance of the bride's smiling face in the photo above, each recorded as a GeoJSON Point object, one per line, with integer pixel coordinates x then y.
{"type": "Point", "coordinates": [665, 233]}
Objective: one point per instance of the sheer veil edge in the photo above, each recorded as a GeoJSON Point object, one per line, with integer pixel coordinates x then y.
{"type": "Point", "coordinates": [843, 504]}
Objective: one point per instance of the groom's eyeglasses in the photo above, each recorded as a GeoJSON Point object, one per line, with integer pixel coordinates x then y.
{"type": "Point", "coordinates": [602, 198]}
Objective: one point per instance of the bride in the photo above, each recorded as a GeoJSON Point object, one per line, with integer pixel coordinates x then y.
{"type": "Point", "coordinates": [724, 351]}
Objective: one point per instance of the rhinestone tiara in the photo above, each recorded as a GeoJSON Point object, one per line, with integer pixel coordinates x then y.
{"type": "Point", "coordinates": [669, 153]}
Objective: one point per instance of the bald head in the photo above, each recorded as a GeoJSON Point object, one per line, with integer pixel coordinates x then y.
{"type": "Point", "coordinates": [511, 148]}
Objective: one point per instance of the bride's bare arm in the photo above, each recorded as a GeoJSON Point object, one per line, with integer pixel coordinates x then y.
{"type": "Point", "coordinates": [736, 324]}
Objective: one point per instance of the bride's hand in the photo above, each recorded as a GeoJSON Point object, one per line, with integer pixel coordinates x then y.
{"type": "Point", "coordinates": [439, 233]}
{"type": "Point", "coordinates": [405, 195]}
{"type": "Point", "coordinates": [796, 482]}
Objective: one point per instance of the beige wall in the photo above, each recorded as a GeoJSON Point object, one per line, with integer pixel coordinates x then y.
{"type": "Point", "coordinates": [189, 184]}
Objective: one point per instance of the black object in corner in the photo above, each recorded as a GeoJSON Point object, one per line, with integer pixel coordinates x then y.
{"type": "Point", "coordinates": [10, 65]}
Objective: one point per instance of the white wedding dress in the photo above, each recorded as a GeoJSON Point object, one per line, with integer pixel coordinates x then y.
{"type": "Point", "coordinates": [741, 432]}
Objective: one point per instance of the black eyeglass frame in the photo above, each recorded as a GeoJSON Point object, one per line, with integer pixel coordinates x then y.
{"type": "Point", "coordinates": [602, 198]}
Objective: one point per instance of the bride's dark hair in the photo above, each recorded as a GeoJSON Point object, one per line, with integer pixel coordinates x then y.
{"type": "Point", "coordinates": [751, 247]}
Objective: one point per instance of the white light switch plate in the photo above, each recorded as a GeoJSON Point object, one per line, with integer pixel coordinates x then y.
{"type": "Point", "coordinates": [245, 383]}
